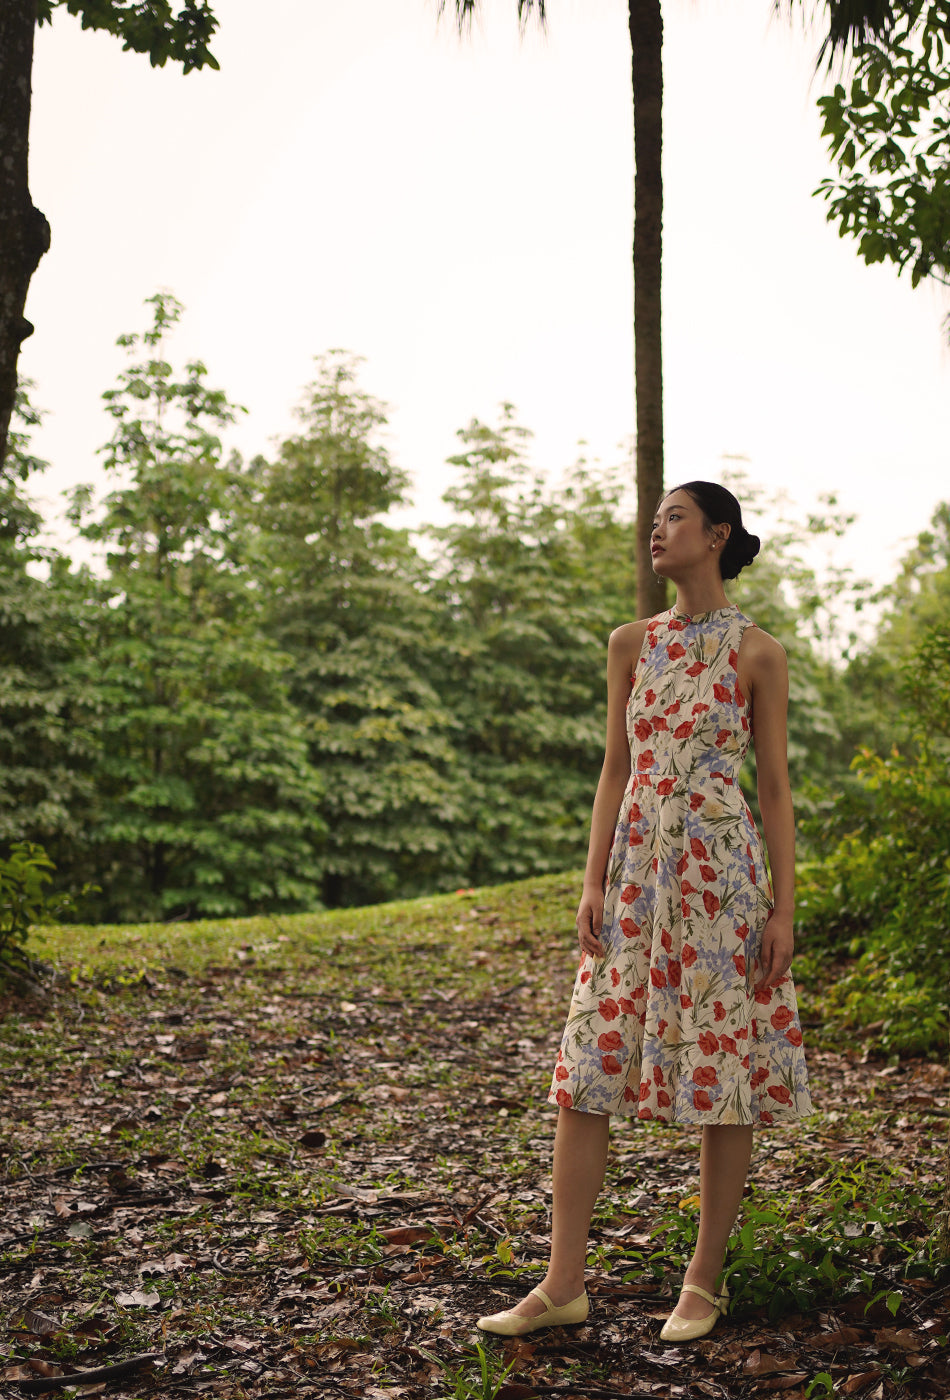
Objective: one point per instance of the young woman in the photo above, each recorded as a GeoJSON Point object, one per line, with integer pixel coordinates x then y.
{"type": "Point", "coordinates": [683, 1010]}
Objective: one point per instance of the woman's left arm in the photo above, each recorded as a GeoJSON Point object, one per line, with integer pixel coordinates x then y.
{"type": "Point", "coordinates": [767, 679]}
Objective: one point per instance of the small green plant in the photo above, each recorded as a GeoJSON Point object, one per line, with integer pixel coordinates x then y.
{"type": "Point", "coordinates": [820, 1386]}
{"type": "Point", "coordinates": [470, 1383]}
{"type": "Point", "coordinates": [23, 897]}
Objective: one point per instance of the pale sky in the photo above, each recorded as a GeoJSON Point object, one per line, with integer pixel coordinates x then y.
{"type": "Point", "coordinates": [460, 213]}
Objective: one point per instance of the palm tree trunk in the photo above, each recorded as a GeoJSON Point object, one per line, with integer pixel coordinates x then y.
{"type": "Point", "coordinates": [24, 232]}
{"type": "Point", "coordinates": [646, 41]}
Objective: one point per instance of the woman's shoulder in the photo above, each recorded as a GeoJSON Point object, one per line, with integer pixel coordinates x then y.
{"type": "Point", "coordinates": [761, 649]}
{"type": "Point", "coordinates": [629, 635]}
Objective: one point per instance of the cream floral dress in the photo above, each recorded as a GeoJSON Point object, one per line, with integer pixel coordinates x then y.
{"type": "Point", "coordinates": [668, 1025]}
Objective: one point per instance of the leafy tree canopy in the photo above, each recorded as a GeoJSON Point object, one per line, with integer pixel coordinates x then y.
{"type": "Point", "coordinates": [889, 133]}
{"type": "Point", "coordinates": [148, 26]}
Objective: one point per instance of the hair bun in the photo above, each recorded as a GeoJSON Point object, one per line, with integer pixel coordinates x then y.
{"type": "Point", "coordinates": [741, 548]}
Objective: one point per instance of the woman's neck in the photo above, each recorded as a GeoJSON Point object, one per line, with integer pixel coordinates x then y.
{"type": "Point", "coordinates": [700, 597]}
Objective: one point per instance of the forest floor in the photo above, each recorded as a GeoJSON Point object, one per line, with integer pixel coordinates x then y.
{"type": "Point", "coordinates": [299, 1156]}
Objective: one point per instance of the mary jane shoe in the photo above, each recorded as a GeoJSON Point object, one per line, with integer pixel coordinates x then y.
{"type": "Point", "coordinates": [687, 1329]}
{"type": "Point", "coordinates": [512, 1324]}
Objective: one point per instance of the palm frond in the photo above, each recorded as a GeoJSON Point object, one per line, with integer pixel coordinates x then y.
{"type": "Point", "coordinates": [465, 12]}
{"type": "Point", "coordinates": [848, 22]}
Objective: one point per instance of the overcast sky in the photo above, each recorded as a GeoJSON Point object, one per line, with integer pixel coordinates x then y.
{"type": "Point", "coordinates": [460, 213]}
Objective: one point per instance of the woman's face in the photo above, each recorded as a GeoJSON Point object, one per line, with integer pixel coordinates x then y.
{"type": "Point", "coordinates": [681, 539]}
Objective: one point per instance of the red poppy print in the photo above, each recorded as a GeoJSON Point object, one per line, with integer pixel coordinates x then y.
{"type": "Point", "coordinates": [722, 694]}
{"type": "Point", "coordinates": [710, 904]}
{"type": "Point", "coordinates": [781, 1018]}
{"type": "Point", "coordinates": [629, 928]}
{"type": "Point", "coordinates": [684, 730]}
{"type": "Point", "coordinates": [665, 786]}
{"type": "Point", "coordinates": [643, 729]}
{"type": "Point", "coordinates": [779, 1093]}
{"type": "Point", "coordinates": [698, 848]}
{"type": "Point", "coordinates": [708, 1043]}
{"type": "Point", "coordinates": [697, 668]}
{"type": "Point", "coordinates": [609, 1009]}
{"type": "Point", "coordinates": [705, 1075]}
{"type": "Point", "coordinates": [611, 1065]}
{"type": "Point", "coordinates": [701, 1100]}
{"type": "Point", "coordinates": [675, 650]}
{"type": "Point", "coordinates": [696, 801]}
{"type": "Point", "coordinates": [688, 955]}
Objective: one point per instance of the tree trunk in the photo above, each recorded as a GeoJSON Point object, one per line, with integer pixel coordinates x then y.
{"type": "Point", "coordinates": [646, 41]}
{"type": "Point", "coordinates": [24, 232]}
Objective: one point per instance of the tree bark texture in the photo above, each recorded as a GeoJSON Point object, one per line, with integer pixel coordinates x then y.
{"type": "Point", "coordinates": [24, 232]}
{"type": "Point", "coordinates": [646, 42]}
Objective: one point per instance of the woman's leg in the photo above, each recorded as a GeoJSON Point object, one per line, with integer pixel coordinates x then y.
{"type": "Point", "coordinates": [723, 1166]}
{"type": "Point", "coordinates": [580, 1160]}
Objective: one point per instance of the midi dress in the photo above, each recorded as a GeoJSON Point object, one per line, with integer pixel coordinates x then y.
{"type": "Point", "coordinates": [668, 1024]}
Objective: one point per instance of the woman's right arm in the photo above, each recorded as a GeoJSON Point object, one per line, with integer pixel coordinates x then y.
{"type": "Point", "coordinates": [623, 649]}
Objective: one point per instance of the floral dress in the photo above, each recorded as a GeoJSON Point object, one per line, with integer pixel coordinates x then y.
{"type": "Point", "coordinates": [668, 1025]}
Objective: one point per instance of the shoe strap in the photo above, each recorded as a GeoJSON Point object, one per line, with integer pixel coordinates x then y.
{"type": "Point", "coordinates": [694, 1288]}
{"type": "Point", "coordinates": [544, 1298]}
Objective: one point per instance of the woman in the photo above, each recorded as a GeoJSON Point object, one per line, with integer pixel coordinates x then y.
{"type": "Point", "coordinates": [683, 1010]}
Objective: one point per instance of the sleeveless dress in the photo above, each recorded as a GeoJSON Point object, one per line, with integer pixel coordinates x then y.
{"type": "Point", "coordinates": [668, 1025]}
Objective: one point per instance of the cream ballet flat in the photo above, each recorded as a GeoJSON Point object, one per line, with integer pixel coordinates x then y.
{"type": "Point", "coordinates": [687, 1329]}
{"type": "Point", "coordinates": [512, 1324]}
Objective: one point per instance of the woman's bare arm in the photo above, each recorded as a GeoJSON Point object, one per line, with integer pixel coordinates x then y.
{"type": "Point", "coordinates": [765, 671]}
{"type": "Point", "coordinates": [623, 649]}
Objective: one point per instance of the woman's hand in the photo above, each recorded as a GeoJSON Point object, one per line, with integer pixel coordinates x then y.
{"type": "Point", "coordinates": [590, 915]}
{"type": "Point", "coordinates": [775, 955]}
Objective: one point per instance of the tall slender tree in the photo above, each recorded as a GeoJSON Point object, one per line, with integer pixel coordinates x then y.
{"type": "Point", "coordinates": [847, 21]}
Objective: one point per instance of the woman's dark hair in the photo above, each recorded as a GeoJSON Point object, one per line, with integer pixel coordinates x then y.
{"type": "Point", "coordinates": [720, 507]}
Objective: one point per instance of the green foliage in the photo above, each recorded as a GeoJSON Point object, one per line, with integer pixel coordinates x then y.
{"type": "Point", "coordinates": [342, 595]}
{"type": "Point", "coordinates": [148, 26]}
{"type": "Point", "coordinates": [530, 582]}
{"type": "Point", "coordinates": [43, 736]}
{"type": "Point", "coordinates": [25, 899]}
{"type": "Point", "coordinates": [889, 133]}
{"type": "Point", "coordinates": [204, 801]}
{"type": "Point", "coordinates": [883, 892]}
{"type": "Point", "coordinates": [795, 1256]}
{"type": "Point", "coordinates": [481, 1374]}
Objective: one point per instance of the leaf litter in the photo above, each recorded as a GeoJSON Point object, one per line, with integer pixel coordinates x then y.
{"type": "Point", "coordinates": [261, 1160]}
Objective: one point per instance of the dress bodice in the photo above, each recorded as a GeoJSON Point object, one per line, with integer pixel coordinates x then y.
{"type": "Point", "coordinates": [687, 716]}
